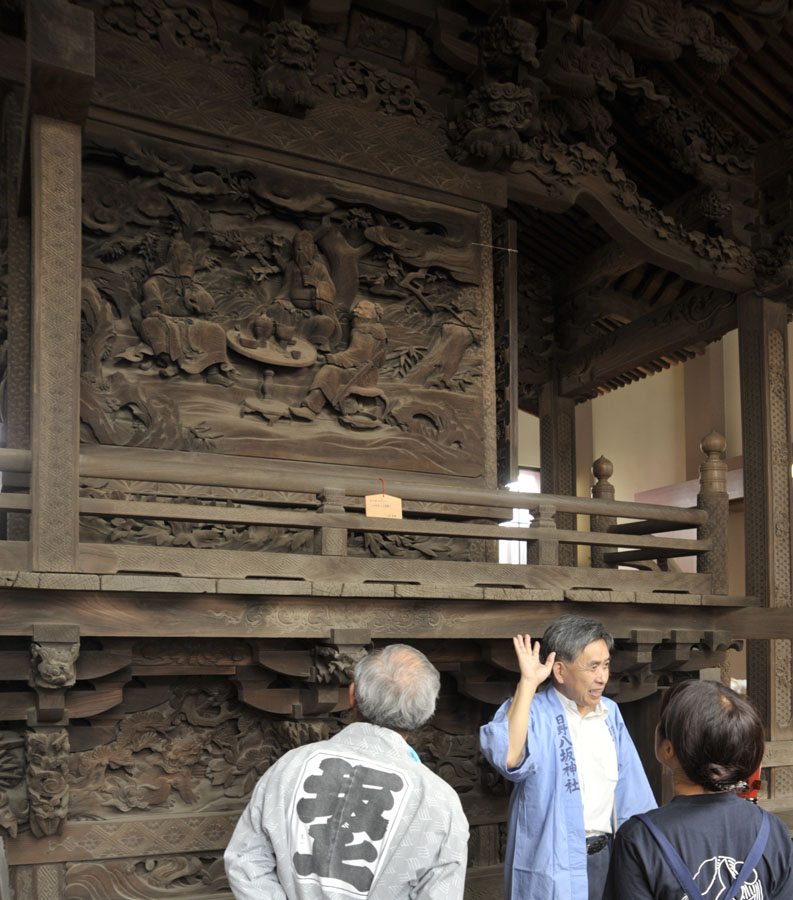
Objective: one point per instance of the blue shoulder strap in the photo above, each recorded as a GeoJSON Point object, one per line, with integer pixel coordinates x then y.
{"type": "Point", "coordinates": [682, 874]}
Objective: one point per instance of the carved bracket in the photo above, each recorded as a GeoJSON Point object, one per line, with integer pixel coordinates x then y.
{"type": "Point", "coordinates": [256, 688]}
{"type": "Point", "coordinates": [53, 654]}
{"type": "Point", "coordinates": [335, 659]}
{"type": "Point", "coordinates": [690, 651]}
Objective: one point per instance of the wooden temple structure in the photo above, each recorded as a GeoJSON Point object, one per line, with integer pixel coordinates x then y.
{"type": "Point", "coordinates": [262, 260]}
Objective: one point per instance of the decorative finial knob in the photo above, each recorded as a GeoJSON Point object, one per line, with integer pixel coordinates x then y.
{"type": "Point", "coordinates": [602, 468]}
{"type": "Point", "coordinates": [713, 444]}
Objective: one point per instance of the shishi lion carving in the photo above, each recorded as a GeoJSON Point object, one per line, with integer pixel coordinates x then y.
{"type": "Point", "coordinates": [53, 664]}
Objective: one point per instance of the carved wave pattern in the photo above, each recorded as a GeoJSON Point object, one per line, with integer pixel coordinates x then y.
{"type": "Point", "coordinates": [186, 877]}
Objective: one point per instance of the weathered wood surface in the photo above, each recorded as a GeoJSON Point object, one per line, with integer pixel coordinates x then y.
{"type": "Point", "coordinates": [129, 836]}
{"type": "Point", "coordinates": [778, 753]}
{"type": "Point", "coordinates": [114, 558]}
{"type": "Point", "coordinates": [186, 512]}
{"type": "Point", "coordinates": [400, 614]}
{"type": "Point", "coordinates": [638, 342]}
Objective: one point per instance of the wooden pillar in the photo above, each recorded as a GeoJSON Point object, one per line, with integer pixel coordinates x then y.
{"type": "Point", "coordinates": [762, 329]}
{"type": "Point", "coordinates": [61, 50]}
{"type": "Point", "coordinates": [505, 304]}
{"type": "Point", "coordinates": [557, 458]}
{"type": "Point", "coordinates": [18, 366]}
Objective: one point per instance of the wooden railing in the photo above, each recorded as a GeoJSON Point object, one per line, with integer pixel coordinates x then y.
{"type": "Point", "coordinates": [626, 556]}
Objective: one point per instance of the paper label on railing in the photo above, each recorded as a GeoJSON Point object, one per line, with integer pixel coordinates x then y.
{"type": "Point", "coordinates": [383, 506]}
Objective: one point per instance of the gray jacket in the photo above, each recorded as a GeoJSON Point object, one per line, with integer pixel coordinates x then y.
{"type": "Point", "coordinates": [350, 818]}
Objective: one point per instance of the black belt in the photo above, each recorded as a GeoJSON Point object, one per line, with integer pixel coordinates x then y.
{"type": "Point", "coordinates": [596, 843]}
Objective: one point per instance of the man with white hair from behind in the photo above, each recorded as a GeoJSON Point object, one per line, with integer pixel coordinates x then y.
{"type": "Point", "coordinates": [357, 817]}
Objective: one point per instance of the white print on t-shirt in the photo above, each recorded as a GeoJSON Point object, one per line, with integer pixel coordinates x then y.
{"type": "Point", "coordinates": [721, 872]}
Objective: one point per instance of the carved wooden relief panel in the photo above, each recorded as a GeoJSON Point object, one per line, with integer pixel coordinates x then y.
{"type": "Point", "coordinates": [135, 796]}
{"type": "Point", "coordinates": [140, 801]}
{"type": "Point", "coordinates": [251, 309]}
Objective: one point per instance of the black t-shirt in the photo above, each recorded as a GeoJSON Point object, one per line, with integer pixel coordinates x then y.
{"type": "Point", "coordinates": [713, 834]}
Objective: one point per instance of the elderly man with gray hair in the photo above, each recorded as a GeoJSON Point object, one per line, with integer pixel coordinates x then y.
{"type": "Point", "coordinates": [575, 769]}
{"type": "Point", "coordinates": [357, 816]}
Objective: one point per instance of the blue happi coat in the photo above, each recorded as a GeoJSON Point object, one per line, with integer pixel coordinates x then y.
{"type": "Point", "coordinates": [546, 843]}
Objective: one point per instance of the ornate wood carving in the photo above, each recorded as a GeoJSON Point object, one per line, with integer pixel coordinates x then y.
{"type": "Point", "coordinates": [702, 313]}
{"type": "Point", "coordinates": [39, 882]}
{"type": "Point", "coordinates": [354, 323]}
{"type": "Point", "coordinates": [13, 787]}
{"type": "Point", "coordinates": [53, 654]}
{"type": "Point", "coordinates": [47, 756]}
{"type": "Point", "coordinates": [284, 66]}
{"type": "Point", "coordinates": [56, 274]}
{"type": "Point", "coordinates": [288, 257]}
{"type": "Point", "coordinates": [197, 875]}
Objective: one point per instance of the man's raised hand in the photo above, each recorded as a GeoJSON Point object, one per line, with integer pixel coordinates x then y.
{"type": "Point", "coordinates": [531, 669]}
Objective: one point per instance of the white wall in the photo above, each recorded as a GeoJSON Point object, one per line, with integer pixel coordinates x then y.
{"type": "Point", "coordinates": [641, 429]}
{"type": "Point", "coordinates": [528, 440]}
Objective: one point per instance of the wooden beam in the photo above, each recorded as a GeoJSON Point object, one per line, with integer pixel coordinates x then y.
{"type": "Point", "coordinates": [758, 624]}
{"type": "Point", "coordinates": [630, 250]}
{"type": "Point", "coordinates": [219, 615]}
{"type": "Point", "coordinates": [597, 268]}
{"type": "Point", "coordinates": [702, 315]}
{"type": "Point", "coordinates": [778, 753]}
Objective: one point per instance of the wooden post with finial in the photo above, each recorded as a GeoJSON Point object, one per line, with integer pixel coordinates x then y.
{"type": "Point", "coordinates": [602, 469]}
{"type": "Point", "coordinates": [714, 499]}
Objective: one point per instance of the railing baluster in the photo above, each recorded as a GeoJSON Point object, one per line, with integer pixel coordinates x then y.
{"type": "Point", "coordinates": [543, 552]}
{"type": "Point", "coordinates": [602, 469]}
{"type": "Point", "coordinates": [714, 499]}
{"type": "Point", "coordinates": [331, 541]}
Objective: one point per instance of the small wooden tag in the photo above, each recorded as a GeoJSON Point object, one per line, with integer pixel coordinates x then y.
{"type": "Point", "coordinates": [383, 506]}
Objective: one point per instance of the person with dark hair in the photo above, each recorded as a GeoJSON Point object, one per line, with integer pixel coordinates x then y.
{"type": "Point", "coordinates": [357, 816]}
{"type": "Point", "coordinates": [574, 765]}
{"type": "Point", "coordinates": [706, 842]}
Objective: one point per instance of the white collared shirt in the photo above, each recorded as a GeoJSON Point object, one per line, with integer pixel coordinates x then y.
{"type": "Point", "coordinates": [596, 761]}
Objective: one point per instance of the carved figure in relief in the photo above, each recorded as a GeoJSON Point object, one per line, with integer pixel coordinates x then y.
{"type": "Point", "coordinates": [496, 121]}
{"type": "Point", "coordinates": [281, 266]}
{"type": "Point", "coordinates": [348, 382]}
{"type": "Point", "coordinates": [284, 67]}
{"type": "Point", "coordinates": [507, 43]}
{"type": "Point", "coordinates": [308, 290]}
{"type": "Point", "coordinates": [269, 409]}
{"type": "Point", "coordinates": [172, 303]}
{"type": "Point", "coordinates": [98, 322]}
{"type": "Point", "coordinates": [360, 809]}
{"type": "Point", "coordinates": [53, 664]}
